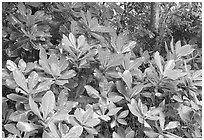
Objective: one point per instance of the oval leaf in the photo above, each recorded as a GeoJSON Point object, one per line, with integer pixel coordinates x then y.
{"type": "Point", "coordinates": [74, 132]}
{"type": "Point", "coordinates": [11, 65]}
{"type": "Point", "coordinates": [172, 125]}
{"type": "Point", "coordinates": [17, 98]}
{"type": "Point", "coordinates": [157, 59]}
{"type": "Point", "coordinates": [48, 103]}
{"type": "Point", "coordinates": [20, 79]}
{"type": "Point", "coordinates": [92, 92]}
{"type": "Point", "coordinates": [25, 127]}
{"type": "Point", "coordinates": [34, 107]}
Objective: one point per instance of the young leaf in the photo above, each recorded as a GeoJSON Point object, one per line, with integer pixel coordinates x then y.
{"type": "Point", "coordinates": [11, 65]}
{"type": "Point", "coordinates": [20, 79]}
{"type": "Point", "coordinates": [158, 61]}
{"type": "Point", "coordinates": [34, 107]}
{"type": "Point", "coordinates": [48, 103]}
{"type": "Point", "coordinates": [74, 132]}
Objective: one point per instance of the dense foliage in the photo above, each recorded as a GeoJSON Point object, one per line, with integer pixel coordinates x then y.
{"type": "Point", "coordinates": [121, 70]}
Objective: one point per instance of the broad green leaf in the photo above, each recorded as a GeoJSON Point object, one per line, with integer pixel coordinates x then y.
{"type": "Point", "coordinates": [128, 47]}
{"type": "Point", "coordinates": [25, 127]}
{"type": "Point", "coordinates": [136, 63]}
{"type": "Point", "coordinates": [33, 80]}
{"type": "Point", "coordinates": [45, 66]}
{"type": "Point", "coordinates": [133, 107]}
{"type": "Point", "coordinates": [11, 65]}
{"type": "Point", "coordinates": [169, 66]}
{"type": "Point", "coordinates": [130, 134]}
{"type": "Point", "coordinates": [34, 107]}
{"type": "Point", "coordinates": [127, 77]}
{"type": "Point", "coordinates": [18, 116]}
{"type": "Point", "coordinates": [81, 41]}
{"type": "Point", "coordinates": [151, 134]}
{"type": "Point", "coordinates": [68, 74]}
{"type": "Point", "coordinates": [122, 121]}
{"type": "Point", "coordinates": [48, 103]}
{"type": "Point", "coordinates": [123, 114]}
{"type": "Point", "coordinates": [115, 135]}
{"type": "Point", "coordinates": [137, 89]}
{"type": "Point", "coordinates": [115, 60]}
{"type": "Point", "coordinates": [21, 65]}
{"type": "Point", "coordinates": [17, 98]}
{"type": "Point", "coordinates": [174, 74]}
{"type": "Point", "coordinates": [114, 111]}
{"type": "Point", "coordinates": [53, 130]}
{"type": "Point", "coordinates": [114, 97]}
{"type": "Point", "coordinates": [102, 29]}
{"type": "Point", "coordinates": [20, 79]}
{"type": "Point", "coordinates": [74, 132]}
{"type": "Point", "coordinates": [157, 59]}
{"type": "Point", "coordinates": [43, 86]}
{"type": "Point", "coordinates": [104, 55]}
{"type": "Point", "coordinates": [92, 92]}
{"type": "Point", "coordinates": [172, 125]}
{"type": "Point", "coordinates": [66, 45]}
{"type": "Point", "coordinates": [55, 69]}
{"type": "Point", "coordinates": [92, 122]}
{"type": "Point", "coordinates": [91, 130]}
{"type": "Point", "coordinates": [79, 114]}
{"type": "Point", "coordinates": [12, 129]}
{"type": "Point", "coordinates": [184, 50]}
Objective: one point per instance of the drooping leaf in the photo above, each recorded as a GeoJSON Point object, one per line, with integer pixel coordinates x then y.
{"type": "Point", "coordinates": [34, 107]}
{"type": "Point", "coordinates": [158, 61]}
{"type": "Point", "coordinates": [48, 103]}
{"type": "Point", "coordinates": [11, 65]}
{"type": "Point", "coordinates": [20, 79]}
{"type": "Point", "coordinates": [74, 132]}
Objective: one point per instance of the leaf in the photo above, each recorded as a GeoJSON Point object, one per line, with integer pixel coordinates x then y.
{"type": "Point", "coordinates": [17, 98]}
{"type": "Point", "coordinates": [137, 89]}
{"type": "Point", "coordinates": [18, 116]}
{"type": "Point", "coordinates": [68, 74]}
{"type": "Point", "coordinates": [20, 79]}
{"type": "Point", "coordinates": [92, 92]}
{"type": "Point", "coordinates": [11, 65]}
{"type": "Point", "coordinates": [130, 134]}
{"type": "Point", "coordinates": [134, 108]}
{"type": "Point", "coordinates": [43, 86]}
{"type": "Point", "coordinates": [74, 132]}
{"type": "Point", "coordinates": [66, 45]}
{"type": "Point", "coordinates": [33, 79]}
{"type": "Point", "coordinates": [123, 114]}
{"type": "Point", "coordinates": [102, 29]}
{"type": "Point", "coordinates": [81, 41]}
{"type": "Point", "coordinates": [151, 134]}
{"type": "Point", "coordinates": [169, 66]}
{"type": "Point", "coordinates": [48, 103]}
{"type": "Point", "coordinates": [115, 135]}
{"type": "Point", "coordinates": [172, 125]}
{"type": "Point", "coordinates": [114, 97]}
{"type": "Point", "coordinates": [92, 122]}
{"type": "Point", "coordinates": [174, 74]}
{"type": "Point", "coordinates": [122, 121]}
{"type": "Point", "coordinates": [12, 129]}
{"type": "Point", "coordinates": [72, 40]}
{"type": "Point", "coordinates": [158, 61]}
{"type": "Point", "coordinates": [22, 65]}
{"type": "Point", "coordinates": [184, 50]}
{"type": "Point", "coordinates": [114, 111]}
{"type": "Point", "coordinates": [34, 107]}
{"type": "Point", "coordinates": [25, 127]}
{"type": "Point", "coordinates": [127, 77]}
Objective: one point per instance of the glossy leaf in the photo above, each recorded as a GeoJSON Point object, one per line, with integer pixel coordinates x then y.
{"type": "Point", "coordinates": [12, 129]}
{"type": "Point", "coordinates": [34, 107]}
{"type": "Point", "coordinates": [48, 103]}
{"type": "Point", "coordinates": [17, 98]}
{"type": "Point", "coordinates": [123, 114]}
{"type": "Point", "coordinates": [127, 77]}
{"type": "Point", "coordinates": [114, 111]}
{"type": "Point", "coordinates": [68, 74]}
{"type": "Point", "coordinates": [21, 65]}
{"type": "Point", "coordinates": [33, 79]}
{"type": "Point", "coordinates": [92, 92]}
{"type": "Point", "coordinates": [25, 127]}
{"type": "Point", "coordinates": [74, 132]}
{"type": "Point", "coordinates": [11, 65]}
{"type": "Point", "coordinates": [20, 79]}
{"type": "Point", "coordinates": [172, 125]}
